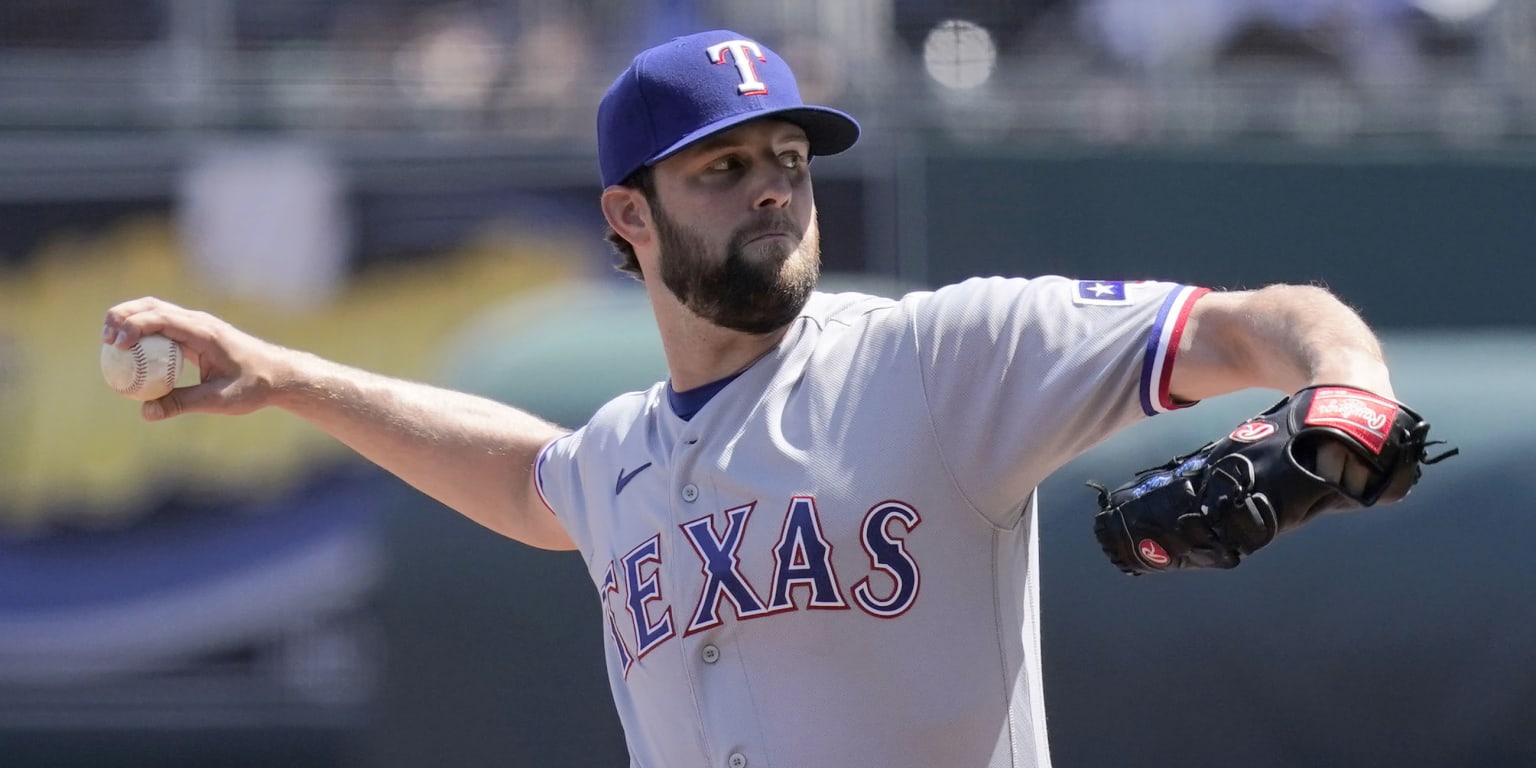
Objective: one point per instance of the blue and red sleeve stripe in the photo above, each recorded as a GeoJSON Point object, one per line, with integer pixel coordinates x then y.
{"type": "Point", "coordinates": [538, 472]}
{"type": "Point", "coordinates": [1163, 347]}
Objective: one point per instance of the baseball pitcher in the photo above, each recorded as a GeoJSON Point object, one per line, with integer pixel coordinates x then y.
{"type": "Point", "coordinates": [815, 543]}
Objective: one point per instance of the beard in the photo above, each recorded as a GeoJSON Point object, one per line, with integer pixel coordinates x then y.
{"type": "Point", "coordinates": [757, 288]}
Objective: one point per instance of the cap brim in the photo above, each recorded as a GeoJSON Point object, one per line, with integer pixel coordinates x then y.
{"type": "Point", "coordinates": [828, 130]}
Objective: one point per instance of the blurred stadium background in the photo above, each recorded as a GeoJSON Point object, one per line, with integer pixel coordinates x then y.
{"type": "Point", "coordinates": [409, 186]}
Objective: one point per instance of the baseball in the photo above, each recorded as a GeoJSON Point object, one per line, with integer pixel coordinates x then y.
{"type": "Point", "coordinates": [145, 371]}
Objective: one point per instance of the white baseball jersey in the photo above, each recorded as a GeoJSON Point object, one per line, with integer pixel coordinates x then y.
{"type": "Point", "coordinates": [831, 559]}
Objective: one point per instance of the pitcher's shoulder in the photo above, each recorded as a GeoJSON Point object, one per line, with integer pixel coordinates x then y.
{"type": "Point", "coordinates": [845, 307]}
{"type": "Point", "coordinates": [625, 413]}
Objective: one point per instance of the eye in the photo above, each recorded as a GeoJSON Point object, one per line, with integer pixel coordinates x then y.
{"type": "Point", "coordinates": [792, 160]}
{"type": "Point", "coordinates": [725, 163]}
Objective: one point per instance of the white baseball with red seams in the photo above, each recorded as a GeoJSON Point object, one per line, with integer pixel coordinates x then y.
{"type": "Point", "coordinates": [145, 371]}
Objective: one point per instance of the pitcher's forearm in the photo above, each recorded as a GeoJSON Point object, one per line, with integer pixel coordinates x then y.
{"type": "Point", "coordinates": [471, 453]}
{"type": "Point", "coordinates": [1283, 337]}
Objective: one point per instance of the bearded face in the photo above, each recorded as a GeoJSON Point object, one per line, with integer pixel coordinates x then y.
{"type": "Point", "coordinates": [756, 282]}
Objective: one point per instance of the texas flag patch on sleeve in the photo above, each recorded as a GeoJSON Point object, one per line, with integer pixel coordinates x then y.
{"type": "Point", "coordinates": [1100, 292]}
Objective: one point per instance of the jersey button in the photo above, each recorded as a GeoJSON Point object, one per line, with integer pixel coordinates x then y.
{"type": "Point", "coordinates": [737, 760]}
{"type": "Point", "coordinates": [711, 654]}
{"type": "Point", "coordinates": [690, 493]}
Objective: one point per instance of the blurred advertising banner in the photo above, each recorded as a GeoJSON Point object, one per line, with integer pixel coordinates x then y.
{"type": "Point", "coordinates": [204, 574]}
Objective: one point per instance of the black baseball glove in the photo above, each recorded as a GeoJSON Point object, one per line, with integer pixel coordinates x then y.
{"type": "Point", "coordinates": [1325, 448]}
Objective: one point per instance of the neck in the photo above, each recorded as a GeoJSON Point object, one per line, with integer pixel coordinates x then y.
{"type": "Point", "coordinates": [698, 351]}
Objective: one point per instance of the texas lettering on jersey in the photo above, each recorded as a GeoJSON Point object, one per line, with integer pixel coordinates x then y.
{"type": "Point", "coordinates": [802, 558]}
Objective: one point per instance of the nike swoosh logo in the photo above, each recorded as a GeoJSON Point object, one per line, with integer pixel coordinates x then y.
{"type": "Point", "coordinates": [624, 479]}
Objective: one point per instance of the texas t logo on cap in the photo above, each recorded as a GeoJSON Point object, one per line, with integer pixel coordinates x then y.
{"type": "Point", "coordinates": [743, 53]}
{"type": "Point", "coordinates": [692, 87]}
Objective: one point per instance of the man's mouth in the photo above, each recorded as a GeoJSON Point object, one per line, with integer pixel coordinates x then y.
{"type": "Point", "coordinates": [766, 236]}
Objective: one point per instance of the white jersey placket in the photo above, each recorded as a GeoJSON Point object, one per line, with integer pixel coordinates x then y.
{"type": "Point", "coordinates": [727, 721]}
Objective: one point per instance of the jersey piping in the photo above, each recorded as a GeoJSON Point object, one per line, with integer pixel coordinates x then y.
{"type": "Point", "coordinates": [1163, 348]}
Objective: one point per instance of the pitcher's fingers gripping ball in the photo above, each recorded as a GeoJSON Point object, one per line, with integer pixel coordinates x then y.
{"type": "Point", "coordinates": [145, 371]}
{"type": "Point", "coordinates": [1322, 449]}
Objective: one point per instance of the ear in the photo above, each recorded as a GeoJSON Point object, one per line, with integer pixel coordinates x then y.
{"type": "Point", "coordinates": [628, 212]}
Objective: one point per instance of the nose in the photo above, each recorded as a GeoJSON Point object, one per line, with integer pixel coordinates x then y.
{"type": "Point", "coordinates": [776, 188]}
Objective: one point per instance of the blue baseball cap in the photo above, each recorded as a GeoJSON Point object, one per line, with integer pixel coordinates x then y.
{"type": "Point", "coordinates": [684, 90]}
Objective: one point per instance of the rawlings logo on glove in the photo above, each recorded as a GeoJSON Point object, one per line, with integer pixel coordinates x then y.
{"type": "Point", "coordinates": [1325, 448]}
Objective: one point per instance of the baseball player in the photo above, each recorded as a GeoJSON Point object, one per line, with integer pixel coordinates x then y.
{"type": "Point", "coordinates": [815, 543]}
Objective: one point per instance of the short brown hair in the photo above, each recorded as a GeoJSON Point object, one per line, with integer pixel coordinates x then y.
{"type": "Point", "coordinates": [642, 180]}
